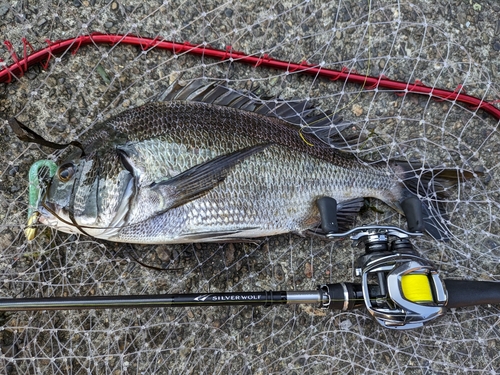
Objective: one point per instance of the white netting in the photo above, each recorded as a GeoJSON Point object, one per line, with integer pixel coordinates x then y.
{"type": "Point", "coordinates": [444, 44]}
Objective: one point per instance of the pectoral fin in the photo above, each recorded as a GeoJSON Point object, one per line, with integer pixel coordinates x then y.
{"type": "Point", "coordinates": [200, 179]}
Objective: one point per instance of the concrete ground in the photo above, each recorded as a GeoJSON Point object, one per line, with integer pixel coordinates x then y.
{"type": "Point", "coordinates": [444, 44]}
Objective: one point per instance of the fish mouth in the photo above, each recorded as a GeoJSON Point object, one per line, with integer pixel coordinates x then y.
{"type": "Point", "coordinates": [57, 217]}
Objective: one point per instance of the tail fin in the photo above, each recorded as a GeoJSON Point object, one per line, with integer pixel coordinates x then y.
{"type": "Point", "coordinates": [432, 187]}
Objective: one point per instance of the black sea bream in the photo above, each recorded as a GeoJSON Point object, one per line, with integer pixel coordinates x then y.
{"type": "Point", "coordinates": [213, 164]}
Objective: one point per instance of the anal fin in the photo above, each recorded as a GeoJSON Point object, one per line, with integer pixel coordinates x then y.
{"type": "Point", "coordinates": [337, 217]}
{"type": "Point", "coordinates": [347, 212]}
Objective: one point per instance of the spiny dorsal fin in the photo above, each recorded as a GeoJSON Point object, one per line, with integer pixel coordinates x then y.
{"type": "Point", "coordinates": [325, 125]}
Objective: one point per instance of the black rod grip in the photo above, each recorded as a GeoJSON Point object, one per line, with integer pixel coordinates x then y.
{"type": "Point", "coordinates": [412, 208]}
{"type": "Point", "coordinates": [327, 207]}
{"type": "Point", "coordinates": [462, 293]}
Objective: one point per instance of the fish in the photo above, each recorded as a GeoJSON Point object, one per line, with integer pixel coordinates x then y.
{"type": "Point", "coordinates": [206, 163]}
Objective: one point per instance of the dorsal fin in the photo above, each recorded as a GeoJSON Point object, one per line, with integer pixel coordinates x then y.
{"type": "Point", "coordinates": [325, 125]}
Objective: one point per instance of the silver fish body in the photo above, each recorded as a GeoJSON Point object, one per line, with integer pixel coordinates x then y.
{"type": "Point", "coordinates": [199, 169]}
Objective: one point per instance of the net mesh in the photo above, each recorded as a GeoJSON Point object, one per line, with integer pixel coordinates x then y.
{"type": "Point", "coordinates": [448, 44]}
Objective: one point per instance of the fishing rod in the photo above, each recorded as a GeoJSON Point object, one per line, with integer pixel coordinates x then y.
{"type": "Point", "coordinates": [399, 288]}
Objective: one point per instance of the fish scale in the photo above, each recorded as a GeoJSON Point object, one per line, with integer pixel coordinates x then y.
{"type": "Point", "coordinates": [274, 203]}
{"type": "Point", "coordinates": [196, 171]}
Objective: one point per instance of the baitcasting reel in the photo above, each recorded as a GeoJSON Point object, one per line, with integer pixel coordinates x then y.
{"type": "Point", "coordinates": [400, 289]}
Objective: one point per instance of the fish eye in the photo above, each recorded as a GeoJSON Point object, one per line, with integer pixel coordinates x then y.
{"type": "Point", "coordinates": [65, 172]}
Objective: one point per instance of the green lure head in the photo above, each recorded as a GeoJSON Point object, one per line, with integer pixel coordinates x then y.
{"type": "Point", "coordinates": [34, 193]}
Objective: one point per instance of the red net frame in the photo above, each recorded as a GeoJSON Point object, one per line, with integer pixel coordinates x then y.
{"type": "Point", "coordinates": [43, 56]}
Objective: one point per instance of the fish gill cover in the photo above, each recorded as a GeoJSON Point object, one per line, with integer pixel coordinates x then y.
{"type": "Point", "coordinates": [451, 45]}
